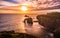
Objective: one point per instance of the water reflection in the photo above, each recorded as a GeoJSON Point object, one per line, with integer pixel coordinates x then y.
{"type": "Point", "coordinates": [14, 22]}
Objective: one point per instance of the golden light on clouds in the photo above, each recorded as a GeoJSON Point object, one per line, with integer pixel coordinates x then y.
{"type": "Point", "coordinates": [23, 8]}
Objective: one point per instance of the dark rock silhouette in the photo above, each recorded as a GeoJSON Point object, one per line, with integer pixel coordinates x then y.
{"type": "Point", "coordinates": [51, 22]}
{"type": "Point", "coordinates": [12, 34]}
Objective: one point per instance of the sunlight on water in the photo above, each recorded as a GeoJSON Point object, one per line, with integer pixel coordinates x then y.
{"type": "Point", "coordinates": [20, 27]}
{"type": "Point", "coordinates": [15, 22]}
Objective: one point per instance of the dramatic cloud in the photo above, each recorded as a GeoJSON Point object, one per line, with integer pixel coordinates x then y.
{"type": "Point", "coordinates": [7, 3]}
{"type": "Point", "coordinates": [39, 4]}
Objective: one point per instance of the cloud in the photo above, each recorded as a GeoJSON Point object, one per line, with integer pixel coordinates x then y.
{"type": "Point", "coordinates": [5, 3]}
{"type": "Point", "coordinates": [20, 1]}
{"type": "Point", "coordinates": [42, 4]}
{"type": "Point", "coordinates": [49, 3]}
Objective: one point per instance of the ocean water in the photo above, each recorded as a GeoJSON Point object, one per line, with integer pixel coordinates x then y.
{"type": "Point", "coordinates": [13, 22]}
{"type": "Point", "coordinates": [10, 22]}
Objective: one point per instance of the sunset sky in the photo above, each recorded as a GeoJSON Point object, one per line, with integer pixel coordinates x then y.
{"type": "Point", "coordinates": [45, 4]}
{"type": "Point", "coordinates": [16, 2]}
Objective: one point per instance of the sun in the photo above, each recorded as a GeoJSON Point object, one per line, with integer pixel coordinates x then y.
{"type": "Point", "coordinates": [24, 8]}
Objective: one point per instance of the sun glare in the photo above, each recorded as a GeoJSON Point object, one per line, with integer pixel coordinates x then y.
{"type": "Point", "coordinates": [24, 8]}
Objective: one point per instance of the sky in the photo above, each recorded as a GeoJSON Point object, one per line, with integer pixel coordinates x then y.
{"type": "Point", "coordinates": [53, 4]}
{"type": "Point", "coordinates": [16, 2]}
{"type": "Point", "coordinates": [39, 3]}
